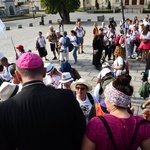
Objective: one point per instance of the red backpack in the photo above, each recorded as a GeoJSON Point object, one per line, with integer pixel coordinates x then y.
{"type": "Point", "coordinates": [117, 40]}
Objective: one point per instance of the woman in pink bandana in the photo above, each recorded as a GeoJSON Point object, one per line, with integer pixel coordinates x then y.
{"type": "Point", "coordinates": [127, 133]}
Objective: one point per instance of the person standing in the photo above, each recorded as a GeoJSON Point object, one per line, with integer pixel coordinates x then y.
{"type": "Point", "coordinates": [74, 41]}
{"type": "Point", "coordinates": [64, 42]}
{"type": "Point", "coordinates": [95, 30]}
{"type": "Point", "coordinates": [40, 45]}
{"type": "Point", "coordinates": [39, 116]}
{"type": "Point", "coordinates": [97, 49]}
{"type": "Point", "coordinates": [52, 38]}
{"type": "Point", "coordinates": [80, 33]}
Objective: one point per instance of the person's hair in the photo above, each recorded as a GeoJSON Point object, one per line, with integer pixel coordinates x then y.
{"type": "Point", "coordinates": [4, 59]}
{"type": "Point", "coordinates": [31, 73]}
{"type": "Point", "coordinates": [40, 32]}
{"type": "Point", "coordinates": [145, 30]}
{"type": "Point", "coordinates": [122, 83]}
{"type": "Point", "coordinates": [73, 32]}
{"type": "Point", "coordinates": [119, 51]}
{"type": "Point", "coordinates": [13, 69]}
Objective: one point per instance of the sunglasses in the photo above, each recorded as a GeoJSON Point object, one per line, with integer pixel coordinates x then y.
{"type": "Point", "coordinates": [81, 88]}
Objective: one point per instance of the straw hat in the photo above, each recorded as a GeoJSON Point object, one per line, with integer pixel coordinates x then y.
{"type": "Point", "coordinates": [80, 81]}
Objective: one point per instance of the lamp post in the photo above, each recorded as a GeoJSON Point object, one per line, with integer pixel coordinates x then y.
{"type": "Point", "coordinates": [122, 8]}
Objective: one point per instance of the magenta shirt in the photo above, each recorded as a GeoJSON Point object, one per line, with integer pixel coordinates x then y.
{"type": "Point", "coordinates": [122, 130]}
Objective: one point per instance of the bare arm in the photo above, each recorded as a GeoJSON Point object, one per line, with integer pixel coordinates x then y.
{"type": "Point", "coordinates": [87, 144]}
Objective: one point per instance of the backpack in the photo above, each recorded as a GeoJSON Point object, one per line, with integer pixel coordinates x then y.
{"type": "Point", "coordinates": [67, 41]}
{"type": "Point", "coordinates": [105, 81]}
{"type": "Point", "coordinates": [77, 40]}
{"type": "Point", "coordinates": [145, 75]}
{"type": "Point", "coordinates": [90, 97]}
{"type": "Point", "coordinates": [117, 40]}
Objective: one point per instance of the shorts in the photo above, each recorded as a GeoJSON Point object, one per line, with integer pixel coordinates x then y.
{"type": "Point", "coordinates": [81, 40]}
{"type": "Point", "coordinates": [52, 46]}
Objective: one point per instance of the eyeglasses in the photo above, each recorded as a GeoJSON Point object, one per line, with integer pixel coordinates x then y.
{"type": "Point", "coordinates": [81, 88]}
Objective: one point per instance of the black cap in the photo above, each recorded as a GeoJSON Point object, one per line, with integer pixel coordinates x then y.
{"type": "Point", "coordinates": [101, 29]}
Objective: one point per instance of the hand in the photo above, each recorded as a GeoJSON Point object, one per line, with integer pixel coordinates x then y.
{"type": "Point", "coordinates": [146, 114]}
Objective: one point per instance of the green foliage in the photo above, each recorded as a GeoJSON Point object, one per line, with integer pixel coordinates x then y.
{"type": "Point", "coordinates": [20, 3]}
{"type": "Point", "coordinates": [109, 5]}
{"type": "Point", "coordinates": [146, 11]}
{"type": "Point", "coordinates": [57, 6]}
{"type": "Point", "coordinates": [96, 4]}
{"type": "Point", "coordinates": [148, 7]}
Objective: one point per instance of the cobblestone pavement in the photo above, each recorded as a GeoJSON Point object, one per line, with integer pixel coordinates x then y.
{"type": "Point", "coordinates": [26, 36]}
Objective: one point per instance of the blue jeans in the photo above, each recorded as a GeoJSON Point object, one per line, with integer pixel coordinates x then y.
{"type": "Point", "coordinates": [75, 53]}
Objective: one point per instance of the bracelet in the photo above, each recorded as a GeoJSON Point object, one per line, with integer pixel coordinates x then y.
{"type": "Point", "coordinates": [143, 106]}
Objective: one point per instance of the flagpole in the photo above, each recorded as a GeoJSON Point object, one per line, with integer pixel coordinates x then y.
{"type": "Point", "coordinates": [14, 46]}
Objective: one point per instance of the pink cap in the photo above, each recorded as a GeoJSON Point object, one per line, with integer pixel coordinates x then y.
{"type": "Point", "coordinates": [29, 61]}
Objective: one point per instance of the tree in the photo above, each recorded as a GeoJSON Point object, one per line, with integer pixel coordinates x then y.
{"type": "Point", "coordinates": [109, 5]}
{"type": "Point", "coordinates": [96, 4]}
{"type": "Point", "coordinates": [63, 7]}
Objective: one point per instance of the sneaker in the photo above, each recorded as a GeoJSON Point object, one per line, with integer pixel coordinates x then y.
{"type": "Point", "coordinates": [78, 52]}
{"type": "Point", "coordinates": [82, 52]}
{"type": "Point", "coordinates": [137, 58]}
{"type": "Point", "coordinates": [54, 58]}
{"type": "Point", "coordinates": [46, 59]}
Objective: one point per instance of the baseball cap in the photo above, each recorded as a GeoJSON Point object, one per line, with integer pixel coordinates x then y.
{"type": "Point", "coordinates": [19, 47]}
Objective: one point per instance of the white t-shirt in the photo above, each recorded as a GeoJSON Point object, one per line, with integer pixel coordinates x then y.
{"type": "Point", "coordinates": [6, 73]}
{"type": "Point", "coordinates": [86, 106]}
{"type": "Point", "coordinates": [41, 41]}
{"type": "Point", "coordinates": [62, 40]}
{"type": "Point", "coordinates": [145, 36]}
{"type": "Point", "coordinates": [73, 40]}
{"type": "Point", "coordinates": [80, 31]}
{"type": "Point", "coordinates": [118, 62]}
{"type": "Point", "coordinates": [54, 80]}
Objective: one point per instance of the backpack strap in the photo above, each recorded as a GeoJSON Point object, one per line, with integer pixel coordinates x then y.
{"type": "Point", "coordinates": [90, 97]}
{"type": "Point", "coordinates": [135, 132]}
{"type": "Point", "coordinates": [108, 131]}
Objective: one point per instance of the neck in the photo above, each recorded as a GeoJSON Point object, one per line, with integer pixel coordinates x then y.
{"type": "Point", "coordinates": [25, 80]}
{"type": "Point", "coordinates": [82, 98]}
{"type": "Point", "coordinates": [120, 113]}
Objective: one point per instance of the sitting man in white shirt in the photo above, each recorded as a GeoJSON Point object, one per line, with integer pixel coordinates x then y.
{"type": "Point", "coordinates": [5, 75]}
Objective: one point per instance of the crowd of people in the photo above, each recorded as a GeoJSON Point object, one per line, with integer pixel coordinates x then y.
{"type": "Point", "coordinates": [42, 105]}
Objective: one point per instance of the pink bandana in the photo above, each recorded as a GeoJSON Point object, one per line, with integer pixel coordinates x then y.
{"type": "Point", "coordinates": [116, 97]}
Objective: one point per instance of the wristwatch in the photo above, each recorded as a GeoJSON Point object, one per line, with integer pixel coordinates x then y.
{"type": "Point", "coordinates": [143, 106]}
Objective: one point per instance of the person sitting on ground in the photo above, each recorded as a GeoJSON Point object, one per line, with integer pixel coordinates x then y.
{"type": "Point", "coordinates": [66, 67]}
{"type": "Point", "coordinates": [144, 89]}
{"type": "Point", "coordinates": [65, 81]}
{"type": "Point", "coordinates": [14, 77]}
{"type": "Point", "coordinates": [104, 65]}
{"type": "Point", "coordinates": [5, 75]}
{"type": "Point", "coordinates": [8, 90]}
{"type": "Point", "coordinates": [85, 99]}
{"type": "Point", "coordinates": [53, 76]}
{"type": "Point", "coordinates": [118, 123]}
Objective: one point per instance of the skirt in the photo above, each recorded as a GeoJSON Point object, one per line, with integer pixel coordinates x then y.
{"type": "Point", "coordinates": [144, 46]}
{"type": "Point", "coordinates": [42, 51]}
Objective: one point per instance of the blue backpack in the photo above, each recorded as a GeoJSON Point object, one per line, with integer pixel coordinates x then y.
{"type": "Point", "coordinates": [67, 41]}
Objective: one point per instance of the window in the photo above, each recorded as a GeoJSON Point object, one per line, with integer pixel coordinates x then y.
{"type": "Point", "coordinates": [117, 1]}
{"type": "Point", "coordinates": [87, 2]}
